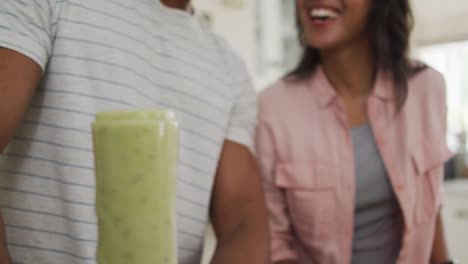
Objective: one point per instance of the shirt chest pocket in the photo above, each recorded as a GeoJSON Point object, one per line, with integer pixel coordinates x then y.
{"type": "Point", "coordinates": [310, 189]}
{"type": "Point", "coordinates": [428, 169]}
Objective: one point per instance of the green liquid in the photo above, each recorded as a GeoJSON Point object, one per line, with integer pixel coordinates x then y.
{"type": "Point", "coordinates": [136, 158]}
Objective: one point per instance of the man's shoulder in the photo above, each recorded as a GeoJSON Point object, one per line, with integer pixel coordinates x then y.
{"type": "Point", "coordinates": [227, 51]}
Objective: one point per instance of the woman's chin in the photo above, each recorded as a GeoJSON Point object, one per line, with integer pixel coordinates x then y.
{"type": "Point", "coordinates": [323, 45]}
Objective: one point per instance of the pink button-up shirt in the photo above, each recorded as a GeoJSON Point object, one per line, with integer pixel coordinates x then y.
{"type": "Point", "coordinates": [305, 152]}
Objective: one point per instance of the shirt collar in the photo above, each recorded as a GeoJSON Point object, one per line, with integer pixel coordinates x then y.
{"type": "Point", "coordinates": [326, 94]}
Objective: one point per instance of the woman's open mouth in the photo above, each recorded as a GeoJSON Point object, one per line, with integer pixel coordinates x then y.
{"type": "Point", "coordinates": [323, 15]}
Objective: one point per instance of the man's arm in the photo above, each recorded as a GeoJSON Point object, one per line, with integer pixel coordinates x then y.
{"type": "Point", "coordinates": [4, 256]}
{"type": "Point", "coordinates": [439, 249]}
{"type": "Point", "coordinates": [238, 209]}
{"type": "Point", "coordinates": [19, 76]}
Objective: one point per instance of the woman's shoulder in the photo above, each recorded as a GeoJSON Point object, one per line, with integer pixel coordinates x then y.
{"type": "Point", "coordinates": [281, 92]}
{"type": "Point", "coordinates": [427, 98]}
{"type": "Point", "coordinates": [272, 92]}
{"type": "Point", "coordinates": [427, 82]}
{"type": "Point", "coordinates": [269, 97]}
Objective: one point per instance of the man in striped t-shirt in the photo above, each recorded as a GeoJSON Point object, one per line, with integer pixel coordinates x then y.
{"type": "Point", "coordinates": [61, 61]}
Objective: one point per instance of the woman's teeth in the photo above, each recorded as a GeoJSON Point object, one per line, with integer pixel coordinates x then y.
{"type": "Point", "coordinates": [323, 13]}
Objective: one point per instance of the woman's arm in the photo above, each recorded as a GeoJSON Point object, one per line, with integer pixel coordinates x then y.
{"type": "Point", "coordinates": [439, 248]}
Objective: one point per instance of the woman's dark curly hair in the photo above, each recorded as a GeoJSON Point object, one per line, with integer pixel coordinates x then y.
{"type": "Point", "coordinates": [389, 24]}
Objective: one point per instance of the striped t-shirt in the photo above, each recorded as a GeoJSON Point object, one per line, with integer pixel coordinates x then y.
{"type": "Point", "coordinates": [107, 55]}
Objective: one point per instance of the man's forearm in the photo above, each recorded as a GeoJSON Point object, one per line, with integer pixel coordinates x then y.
{"type": "Point", "coordinates": [439, 248]}
{"type": "Point", "coordinates": [4, 256]}
{"type": "Point", "coordinates": [244, 237]}
{"type": "Point", "coordinates": [238, 211]}
{"type": "Point", "coordinates": [247, 244]}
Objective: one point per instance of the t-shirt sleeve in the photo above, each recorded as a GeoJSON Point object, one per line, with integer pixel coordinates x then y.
{"type": "Point", "coordinates": [26, 27]}
{"type": "Point", "coordinates": [241, 128]}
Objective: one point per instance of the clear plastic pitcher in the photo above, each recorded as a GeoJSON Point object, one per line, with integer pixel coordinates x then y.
{"type": "Point", "coordinates": [136, 157]}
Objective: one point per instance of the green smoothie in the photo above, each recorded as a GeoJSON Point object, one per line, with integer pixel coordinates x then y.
{"type": "Point", "coordinates": [136, 157]}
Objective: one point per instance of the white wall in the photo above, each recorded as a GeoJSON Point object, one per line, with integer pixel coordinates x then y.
{"type": "Point", "coordinates": [440, 21]}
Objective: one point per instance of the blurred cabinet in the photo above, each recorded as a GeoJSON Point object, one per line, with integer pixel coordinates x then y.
{"type": "Point", "coordinates": [455, 212]}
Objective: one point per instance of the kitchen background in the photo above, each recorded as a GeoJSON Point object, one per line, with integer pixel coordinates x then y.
{"type": "Point", "coordinates": [263, 33]}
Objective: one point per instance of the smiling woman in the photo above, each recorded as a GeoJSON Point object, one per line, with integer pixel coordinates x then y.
{"type": "Point", "coordinates": [374, 24]}
{"type": "Point", "coordinates": [351, 143]}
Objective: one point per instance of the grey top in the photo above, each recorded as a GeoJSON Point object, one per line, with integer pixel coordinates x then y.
{"type": "Point", "coordinates": [378, 221]}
